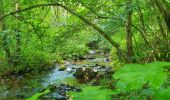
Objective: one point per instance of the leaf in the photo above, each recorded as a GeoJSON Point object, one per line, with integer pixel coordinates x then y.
{"type": "Point", "coordinates": [92, 93]}
{"type": "Point", "coordinates": [162, 94]}
{"type": "Point", "coordinates": [37, 95]}
{"type": "Point", "coordinates": [134, 76]}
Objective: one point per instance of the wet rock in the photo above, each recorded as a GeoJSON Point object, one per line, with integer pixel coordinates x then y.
{"type": "Point", "coordinates": [71, 69]}
{"type": "Point", "coordinates": [106, 59]}
{"type": "Point", "coordinates": [97, 65]}
{"type": "Point", "coordinates": [92, 52]}
{"type": "Point", "coordinates": [104, 72]}
{"type": "Point", "coordinates": [85, 74]}
{"type": "Point", "coordinates": [59, 92]}
{"type": "Point", "coordinates": [77, 89]}
{"type": "Point", "coordinates": [79, 73]}
{"type": "Point", "coordinates": [20, 77]}
{"type": "Point", "coordinates": [91, 58]}
{"type": "Point", "coordinates": [53, 96]}
{"type": "Point", "coordinates": [66, 63]}
{"type": "Point", "coordinates": [62, 68]}
{"type": "Point", "coordinates": [82, 58]}
{"type": "Point", "coordinates": [20, 96]}
{"type": "Point", "coordinates": [95, 83]}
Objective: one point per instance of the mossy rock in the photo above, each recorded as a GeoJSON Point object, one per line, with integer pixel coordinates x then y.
{"type": "Point", "coordinates": [62, 68]}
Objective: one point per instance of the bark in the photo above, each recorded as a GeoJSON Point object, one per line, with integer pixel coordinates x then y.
{"type": "Point", "coordinates": [164, 8]}
{"type": "Point", "coordinates": [129, 41]}
{"type": "Point", "coordinates": [165, 11]}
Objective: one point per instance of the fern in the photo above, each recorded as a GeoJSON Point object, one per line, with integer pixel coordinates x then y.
{"type": "Point", "coordinates": [134, 76]}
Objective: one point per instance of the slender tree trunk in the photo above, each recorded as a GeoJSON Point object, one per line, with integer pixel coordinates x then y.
{"type": "Point", "coordinates": [18, 37]}
{"type": "Point", "coordinates": [164, 8]}
{"type": "Point", "coordinates": [5, 37]}
{"type": "Point", "coordinates": [129, 41]}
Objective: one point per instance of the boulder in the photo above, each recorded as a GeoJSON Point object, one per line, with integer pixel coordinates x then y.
{"type": "Point", "coordinates": [62, 68]}
{"type": "Point", "coordinates": [86, 74]}
{"type": "Point", "coordinates": [59, 92]}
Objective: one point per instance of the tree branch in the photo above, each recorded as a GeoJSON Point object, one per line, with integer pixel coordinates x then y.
{"type": "Point", "coordinates": [109, 39]}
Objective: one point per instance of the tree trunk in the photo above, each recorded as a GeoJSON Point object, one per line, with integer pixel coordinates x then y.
{"type": "Point", "coordinates": [164, 8]}
{"type": "Point", "coordinates": [129, 42]}
{"type": "Point", "coordinates": [18, 38]}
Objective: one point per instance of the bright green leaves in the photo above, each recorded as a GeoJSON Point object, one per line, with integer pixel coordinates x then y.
{"type": "Point", "coordinates": [163, 94]}
{"type": "Point", "coordinates": [130, 77]}
{"type": "Point", "coordinates": [92, 93]}
{"type": "Point", "coordinates": [134, 76]}
{"type": "Point", "coordinates": [37, 95]}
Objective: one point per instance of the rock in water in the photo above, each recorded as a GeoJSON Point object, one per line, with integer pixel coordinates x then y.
{"type": "Point", "coordinates": [86, 74]}
{"type": "Point", "coordinates": [20, 96]}
{"type": "Point", "coordinates": [62, 68]}
{"type": "Point", "coordinates": [92, 52]}
{"type": "Point", "coordinates": [59, 92]}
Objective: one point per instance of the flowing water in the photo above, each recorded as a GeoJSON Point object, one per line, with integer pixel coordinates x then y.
{"type": "Point", "coordinates": [18, 88]}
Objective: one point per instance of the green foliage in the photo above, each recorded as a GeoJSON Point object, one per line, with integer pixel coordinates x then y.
{"type": "Point", "coordinates": [37, 95]}
{"type": "Point", "coordinates": [38, 58]}
{"type": "Point", "coordinates": [71, 81]}
{"type": "Point", "coordinates": [162, 94]}
{"type": "Point", "coordinates": [92, 93]}
{"type": "Point", "coordinates": [134, 76]}
{"type": "Point", "coordinates": [115, 62]}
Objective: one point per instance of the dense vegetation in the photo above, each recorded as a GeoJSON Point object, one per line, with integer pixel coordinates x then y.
{"type": "Point", "coordinates": [133, 34]}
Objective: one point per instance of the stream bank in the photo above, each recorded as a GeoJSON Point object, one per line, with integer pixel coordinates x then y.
{"type": "Point", "coordinates": [88, 70]}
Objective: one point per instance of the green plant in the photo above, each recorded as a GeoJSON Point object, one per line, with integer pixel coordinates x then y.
{"type": "Point", "coordinates": [115, 59]}
{"type": "Point", "coordinates": [137, 76]}
{"type": "Point", "coordinates": [92, 93]}
{"type": "Point", "coordinates": [37, 95]}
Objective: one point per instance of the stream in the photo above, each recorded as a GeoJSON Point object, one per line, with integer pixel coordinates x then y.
{"type": "Point", "coordinates": [21, 87]}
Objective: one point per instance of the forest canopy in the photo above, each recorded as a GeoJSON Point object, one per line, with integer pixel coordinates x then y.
{"type": "Point", "coordinates": [132, 36]}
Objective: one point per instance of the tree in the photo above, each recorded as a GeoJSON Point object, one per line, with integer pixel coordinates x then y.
{"type": "Point", "coordinates": [18, 36]}
{"type": "Point", "coordinates": [129, 41]}
{"type": "Point", "coordinates": [4, 36]}
{"type": "Point", "coordinates": [164, 8]}
{"type": "Point", "coordinates": [108, 38]}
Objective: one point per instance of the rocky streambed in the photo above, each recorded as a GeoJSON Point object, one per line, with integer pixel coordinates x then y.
{"type": "Point", "coordinates": [89, 70]}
